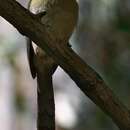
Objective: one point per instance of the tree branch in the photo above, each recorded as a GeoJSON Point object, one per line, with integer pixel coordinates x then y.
{"type": "Point", "coordinates": [83, 75]}
{"type": "Point", "coordinates": [45, 67]}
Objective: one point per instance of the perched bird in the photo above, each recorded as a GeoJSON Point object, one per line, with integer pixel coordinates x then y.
{"type": "Point", "coordinates": [60, 18]}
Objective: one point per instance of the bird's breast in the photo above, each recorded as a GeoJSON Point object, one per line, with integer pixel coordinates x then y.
{"type": "Point", "coordinates": [60, 23]}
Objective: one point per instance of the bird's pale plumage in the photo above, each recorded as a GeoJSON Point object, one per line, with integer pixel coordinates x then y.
{"type": "Point", "coordinates": [60, 18]}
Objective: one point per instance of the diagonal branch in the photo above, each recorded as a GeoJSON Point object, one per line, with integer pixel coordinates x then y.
{"type": "Point", "coordinates": [83, 75]}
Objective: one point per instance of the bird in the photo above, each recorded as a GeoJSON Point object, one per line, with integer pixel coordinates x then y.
{"type": "Point", "coordinates": [60, 17]}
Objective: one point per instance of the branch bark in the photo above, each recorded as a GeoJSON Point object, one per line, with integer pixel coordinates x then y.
{"type": "Point", "coordinates": [45, 102]}
{"type": "Point", "coordinates": [83, 75]}
{"type": "Point", "coordinates": [45, 67]}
